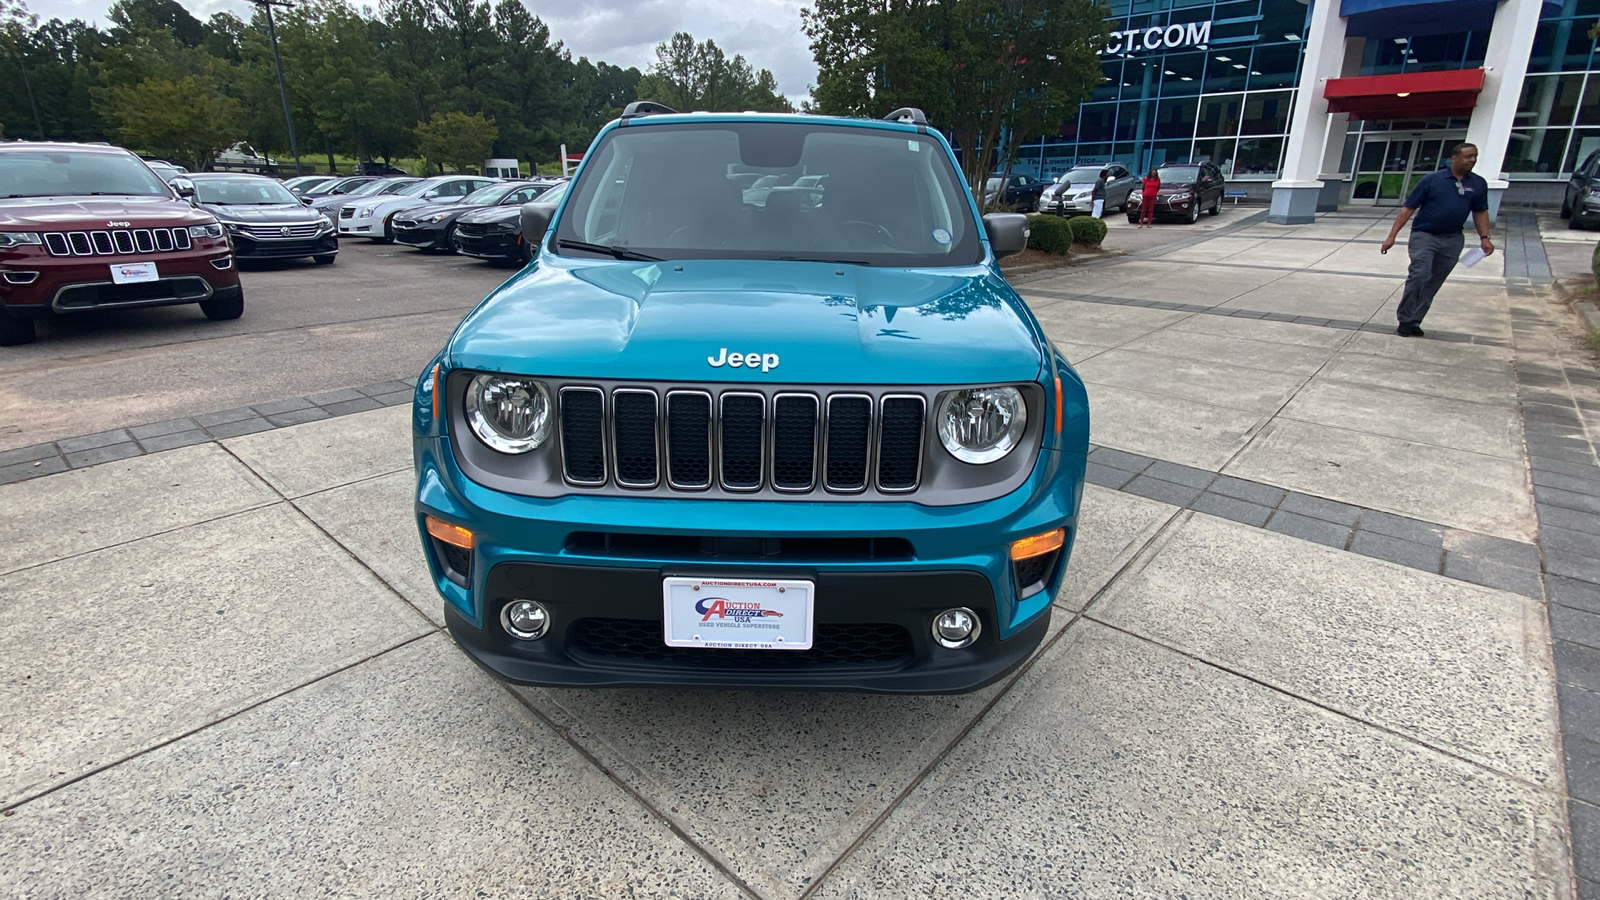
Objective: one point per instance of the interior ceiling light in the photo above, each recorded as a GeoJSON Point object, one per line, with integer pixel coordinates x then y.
{"type": "Point", "coordinates": [1401, 40]}
{"type": "Point", "coordinates": [1238, 65]}
{"type": "Point", "coordinates": [1254, 72]}
{"type": "Point", "coordinates": [1165, 72]}
{"type": "Point", "coordinates": [1224, 59]}
{"type": "Point", "coordinates": [1292, 37]}
{"type": "Point", "coordinates": [1185, 78]}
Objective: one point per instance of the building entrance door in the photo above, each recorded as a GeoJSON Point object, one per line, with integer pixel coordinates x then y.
{"type": "Point", "coordinates": [1390, 165]}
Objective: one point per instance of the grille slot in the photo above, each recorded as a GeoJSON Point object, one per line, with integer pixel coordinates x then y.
{"type": "Point", "coordinates": [143, 241]}
{"type": "Point", "coordinates": [689, 440]}
{"type": "Point", "coordinates": [275, 232]}
{"type": "Point", "coordinates": [848, 644]}
{"type": "Point", "coordinates": [742, 433]}
{"type": "Point", "coordinates": [56, 243]}
{"type": "Point", "coordinates": [900, 443]}
{"type": "Point", "coordinates": [102, 243]}
{"type": "Point", "coordinates": [180, 237]}
{"type": "Point", "coordinates": [163, 239]}
{"type": "Point", "coordinates": [583, 431]}
{"type": "Point", "coordinates": [81, 245]}
{"type": "Point", "coordinates": [634, 437]}
{"type": "Point", "coordinates": [794, 442]}
{"type": "Point", "coordinates": [123, 241]}
{"type": "Point", "coordinates": [849, 437]}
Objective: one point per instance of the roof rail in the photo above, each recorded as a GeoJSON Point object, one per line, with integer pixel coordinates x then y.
{"type": "Point", "coordinates": [644, 108]}
{"type": "Point", "coordinates": [909, 114]}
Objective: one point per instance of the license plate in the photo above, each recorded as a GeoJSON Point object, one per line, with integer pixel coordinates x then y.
{"type": "Point", "coordinates": [133, 273]}
{"type": "Point", "coordinates": [738, 615]}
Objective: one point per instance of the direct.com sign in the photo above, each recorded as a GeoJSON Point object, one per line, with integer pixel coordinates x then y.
{"type": "Point", "coordinates": [1159, 37]}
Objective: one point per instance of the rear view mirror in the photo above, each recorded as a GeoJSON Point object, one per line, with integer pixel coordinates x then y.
{"type": "Point", "coordinates": [1008, 233]}
{"type": "Point", "coordinates": [184, 187]}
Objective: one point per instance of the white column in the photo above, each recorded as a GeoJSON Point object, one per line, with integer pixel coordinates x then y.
{"type": "Point", "coordinates": [1294, 194]}
{"type": "Point", "coordinates": [1505, 64]}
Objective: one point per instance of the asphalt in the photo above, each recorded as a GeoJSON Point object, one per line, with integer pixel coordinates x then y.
{"type": "Point", "coordinates": [1331, 628]}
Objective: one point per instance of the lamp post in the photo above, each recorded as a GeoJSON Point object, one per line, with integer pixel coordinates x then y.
{"type": "Point", "coordinates": [272, 33]}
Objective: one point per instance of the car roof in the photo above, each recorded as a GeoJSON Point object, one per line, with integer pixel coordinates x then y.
{"type": "Point", "coordinates": [218, 176]}
{"type": "Point", "coordinates": [61, 146]}
{"type": "Point", "coordinates": [695, 118]}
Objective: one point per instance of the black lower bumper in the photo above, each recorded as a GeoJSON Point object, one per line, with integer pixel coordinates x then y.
{"type": "Point", "coordinates": [872, 633]}
{"type": "Point", "coordinates": [422, 237]}
{"type": "Point", "coordinates": [488, 246]}
{"type": "Point", "coordinates": [249, 248]}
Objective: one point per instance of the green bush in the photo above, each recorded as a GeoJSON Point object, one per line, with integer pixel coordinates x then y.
{"type": "Point", "coordinates": [1049, 234]}
{"type": "Point", "coordinates": [1594, 262]}
{"type": "Point", "coordinates": [1087, 230]}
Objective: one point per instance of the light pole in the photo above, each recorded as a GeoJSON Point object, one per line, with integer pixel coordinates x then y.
{"type": "Point", "coordinates": [272, 33]}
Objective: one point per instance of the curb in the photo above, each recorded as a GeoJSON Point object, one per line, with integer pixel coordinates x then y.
{"type": "Point", "coordinates": [1589, 313]}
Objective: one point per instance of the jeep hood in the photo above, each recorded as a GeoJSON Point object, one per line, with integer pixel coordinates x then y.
{"type": "Point", "coordinates": [828, 324]}
{"type": "Point", "coordinates": [96, 213]}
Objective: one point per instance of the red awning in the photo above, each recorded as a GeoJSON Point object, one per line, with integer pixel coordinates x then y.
{"type": "Point", "coordinates": [1413, 95]}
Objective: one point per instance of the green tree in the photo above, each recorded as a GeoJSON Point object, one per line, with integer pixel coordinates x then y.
{"type": "Point", "coordinates": [982, 69]}
{"type": "Point", "coordinates": [698, 76]}
{"type": "Point", "coordinates": [188, 120]}
{"type": "Point", "coordinates": [456, 138]}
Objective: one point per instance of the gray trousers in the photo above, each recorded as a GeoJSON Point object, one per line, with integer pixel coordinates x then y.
{"type": "Point", "coordinates": [1432, 258]}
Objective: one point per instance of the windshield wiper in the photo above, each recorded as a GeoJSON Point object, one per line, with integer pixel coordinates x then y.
{"type": "Point", "coordinates": [841, 262]}
{"type": "Point", "coordinates": [618, 252]}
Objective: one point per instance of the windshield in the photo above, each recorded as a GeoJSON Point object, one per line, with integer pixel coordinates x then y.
{"type": "Point", "coordinates": [1179, 175]}
{"type": "Point", "coordinates": [410, 189]}
{"type": "Point", "coordinates": [494, 193]}
{"type": "Point", "coordinates": [1081, 176]}
{"type": "Point", "coordinates": [331, 185]}
{"type": "Point", "coordinates": [63, 173]}
{"type": "Point", "coordinates": [241, 191]}
{"type": "Point", "coordinates": [379, 187]}
{"type": "Point", "coordinates": [679, 191]}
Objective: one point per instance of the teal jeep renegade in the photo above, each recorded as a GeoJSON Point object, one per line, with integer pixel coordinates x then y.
{"type": "Point", "coordinates": [761, 412]}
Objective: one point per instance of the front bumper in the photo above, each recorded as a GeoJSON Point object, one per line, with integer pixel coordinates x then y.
{"type": "Point", "coordinates": [359, 227]}
{"type": "Point", "coordinates": [493, 245]}
{"type": "Point", "coordinates": [423, 236]}
{"type": "Point", "coordinates": [1065, 206]}
{"type": "Point", "coordinates": [1166, 208]}
{"type": "Point", "coordinates": [34, 283]}
{"type": "Point", "coordinates": [606, 603]}
{"type": "Point", "coordinates": [246, 247]}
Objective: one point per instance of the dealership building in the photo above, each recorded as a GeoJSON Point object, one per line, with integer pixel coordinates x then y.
{"type": "Point", "coordinates": [1335, 103]}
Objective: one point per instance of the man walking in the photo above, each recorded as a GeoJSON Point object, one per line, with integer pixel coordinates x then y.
{"type": "Point", "coordinates": [1441, 201]}
{"type": "Point", "coordinates": [1098, 193]}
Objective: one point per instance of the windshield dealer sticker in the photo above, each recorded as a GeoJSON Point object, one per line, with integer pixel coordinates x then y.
{"type": "Point", "coordinates": [941, 236]}
{"type": "Point", "coordinates": [767, 361]}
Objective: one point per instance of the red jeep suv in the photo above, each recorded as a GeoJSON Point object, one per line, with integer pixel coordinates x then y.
{"type": "Point", "coordinates": [88, 226]}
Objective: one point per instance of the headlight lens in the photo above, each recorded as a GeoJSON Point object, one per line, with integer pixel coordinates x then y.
{"type": "Point", "coordinates": [982, 425]}
{"type": "Point", "coordinates": [9, 239]}
{"type": "Point", "coordinates": [437, 217]}
{"type": "Point", "coordinates": [200, 231]}
{"type": "Point", "coordinates": [324, 225]}
{"type": "Point", "coordinates": [511, 415]}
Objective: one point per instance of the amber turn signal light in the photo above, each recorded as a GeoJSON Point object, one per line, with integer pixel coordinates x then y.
{"type": "Point", "coordinates": [435, 381]}
{"type": "Point", "coordinates": [455, 535]}
{"type": "Point", "coordinates": [1039, 544]}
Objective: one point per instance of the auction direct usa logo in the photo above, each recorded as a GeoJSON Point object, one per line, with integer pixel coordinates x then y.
{"type": "Point", "coordinates": [737, 610]}
{"type": "Point", "coordinates": [1170, 37]}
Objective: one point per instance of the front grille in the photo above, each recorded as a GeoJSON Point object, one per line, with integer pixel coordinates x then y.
{"type": "Point", "coordinates": [750, 440]}
{"type": "Point", "coordinates": [471, 229]}
{"type": "Point", "coordinates": [346, 212]}
{"type": "Point", "coordinates": [276, 232]}
{"type": "Point", "coordinates": [185, 288]}
{"type": "Point", "coordinates": [121, 242]}
{"type": "Point", "coordinates": [640, 640]}
{"type": "Point", "coordinates": [625, 545]}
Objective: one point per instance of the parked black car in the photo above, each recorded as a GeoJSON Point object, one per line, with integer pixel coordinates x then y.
{"type": "Point", "coordinates": [496, 232]}
{"type": "Point", "coordinates": [433, 227]}
{"type": "Point", "coordinates": [1021, 192]}
{"type": "Point", "coordinates": [336, 187]}
{"type": "Point", "coordinates": [1580, 205]}
{"type": "Point", "coordinates": [264, 220]}
{"type": "Point", "coordinates": [1186, 188]}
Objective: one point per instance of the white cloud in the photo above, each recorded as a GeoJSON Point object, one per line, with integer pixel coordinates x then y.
{"type": "Point", "coordinates": [621, 32]}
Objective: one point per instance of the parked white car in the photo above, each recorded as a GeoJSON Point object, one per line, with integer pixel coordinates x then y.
{"type": "Point", "coordinates": [373, 217]}
{"type": "Point", "coordinates": [241, 157]}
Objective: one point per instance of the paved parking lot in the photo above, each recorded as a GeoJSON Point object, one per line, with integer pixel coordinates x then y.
{"type": "Point", "coordinates": [1329, 586]}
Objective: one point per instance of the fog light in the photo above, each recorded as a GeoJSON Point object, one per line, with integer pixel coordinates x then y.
{"type": "Point", "coordinates": [956, 628]}
{"type": "Point", "coordinates": [525, 620]}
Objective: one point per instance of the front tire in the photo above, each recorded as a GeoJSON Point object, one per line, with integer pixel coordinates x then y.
{"type": "Point", "coordinates": [15, 330]}
{"type": "Point", "coordinates": [1566, 206]}
{"type": "Point", "coordinates": [1194, 213]}
{"type": "Point", "coordinates": [224, 307]}
{"type": "Point", "coordinates": [1216, 208]}
{"type": "Point", "coordinates": [388, 231]}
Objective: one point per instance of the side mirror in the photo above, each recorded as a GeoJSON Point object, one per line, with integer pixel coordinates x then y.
{"type": "Point", "coordinates": [1008, 233]}
{"type": "Point", "coordinates": [306, 200]}
{"type": "Point", "coordinates": [536, 221]}
{"type": "Point", "coordinates": [184, 187]}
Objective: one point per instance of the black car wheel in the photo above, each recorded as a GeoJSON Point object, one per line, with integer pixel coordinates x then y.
{"type": "Point", "coordinates": [225, 307]}
{"type": "Point", "coordinates": [15, 330]}
{"type": "Point", "coordinates": [324, 260]}
{"type": "Point", "coordinates": [1216, 207]}
{"type": "Point", "coordinates": [388, 230]}
{"type": "Point", "coordinates": [524, 251]}
{"type": "Point", "coordinates": [1194, 212]}
{"type": "Point", "coordinates": [1575, 222]}
{"type": "Point", "coordinates": [1566, 206]}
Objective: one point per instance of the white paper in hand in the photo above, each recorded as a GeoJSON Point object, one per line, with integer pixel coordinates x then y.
{"type": "Point", "coordinates": [1473, 257]}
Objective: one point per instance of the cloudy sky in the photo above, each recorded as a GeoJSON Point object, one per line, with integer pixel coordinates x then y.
{"type": "Point", "coordinates": [621, 32]}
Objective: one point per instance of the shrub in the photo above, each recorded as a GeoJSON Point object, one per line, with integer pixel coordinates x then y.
{"type": "Point", "coordinates": [1087, 230]}
{"type": "Point", "coordinates": [1594, 261]}
{"type": "Point", "coordinates": [1049, 234]}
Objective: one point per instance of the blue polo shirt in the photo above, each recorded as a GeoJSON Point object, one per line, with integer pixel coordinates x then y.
{"type": "Point", "coordinates": [1444, 204]}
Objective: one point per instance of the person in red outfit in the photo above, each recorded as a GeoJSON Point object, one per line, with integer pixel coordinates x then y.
{"type": "Point", "coordinates": [1147, 194]}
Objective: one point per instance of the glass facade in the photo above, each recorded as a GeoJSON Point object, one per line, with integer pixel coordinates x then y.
{"type": "Point", "coordinates": [1186, 80]}
{"type": "Point", "coordinates": [1190, 80]}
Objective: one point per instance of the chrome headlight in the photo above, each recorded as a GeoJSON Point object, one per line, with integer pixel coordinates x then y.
{"type": "Point", "coordinates": [9, 239]}
{"type": "Point", "coordinates": [233, 226]}
{"type": "Point", "coordinates": [1182, 195]}
{"type": "Point", "coordinates": [200, 231]}
{"type": "Point", "coordinates": [437, 217]}
{"type": "Point", "coordinates": [509, 414]}
{"type": "Point", "coordinates": [363, 212]}
{"type": "Point", "coordinates": [324, 225]}
{"type": "Point", "coordinates": [982, 425]}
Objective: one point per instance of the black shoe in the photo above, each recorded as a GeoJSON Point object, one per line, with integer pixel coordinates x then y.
{"type": "Point", "coordinates": [1405, 330]}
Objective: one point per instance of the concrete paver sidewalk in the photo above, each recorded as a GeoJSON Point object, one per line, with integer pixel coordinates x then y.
{"type": "Point", "coordinates": [1302, 650]}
